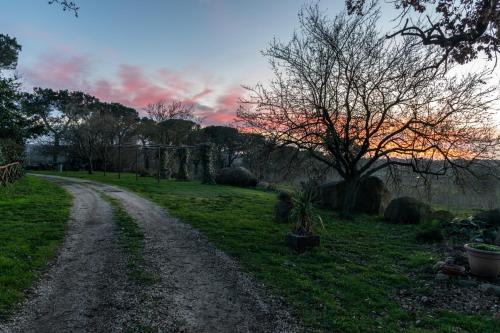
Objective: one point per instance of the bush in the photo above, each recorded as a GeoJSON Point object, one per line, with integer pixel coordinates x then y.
{"type": "Point", "coordinates": [470, 230]}
{"type": "Point", "coordinates": [430, 231]}
{"type": "Point", "coordinates": [11, 151]}
{"type": "Point", "coordinates": [236, 176]}
{"type": "Point", "coordinates": [283, 207]}
{"type": "Point", "coordinates": [406, 210]}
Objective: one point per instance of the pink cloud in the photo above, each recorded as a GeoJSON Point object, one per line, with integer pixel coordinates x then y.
{"type": "Point", "coordinates": [133, 86]}
{"type": "Point", "coordinates": [224, 111]}
{"type": "Point", "coordinates": [58, 72]}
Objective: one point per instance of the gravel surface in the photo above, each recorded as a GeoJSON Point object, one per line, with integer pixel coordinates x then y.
{"type": "Point", "coordinates": [85, 289]}
{"type": "Point", "coordinates": [198, 288]}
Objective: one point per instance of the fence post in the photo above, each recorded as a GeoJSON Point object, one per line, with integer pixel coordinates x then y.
{"type": "Point", "coordinates": [136, 162]}
{"type": "Point", "coordinates": [105, 154]}
{"type": "Point", "coordinates": [119, 160]}
{"type": "Point", "coordinates": [159, 164]}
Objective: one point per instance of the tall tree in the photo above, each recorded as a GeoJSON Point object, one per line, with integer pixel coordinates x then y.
{"type": "Point", "coordinates": [360, 102]}
{"type": "Point", "coordinates": [15, 124]}
{"type": "Point", "coordinates": [58, 110]}
{"type": "Point", "coordinates": [228, 143]}
{"type": "Point", "coordinates": [461, 28]}
{"type": "Point", "coordinates": [173, 109]}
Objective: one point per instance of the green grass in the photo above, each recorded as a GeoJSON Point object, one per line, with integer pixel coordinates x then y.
{"type": "Point", "coordinates": [343, 286]}
{"type": "Point", "coordinates": [131, 240]}
{"type": "Point", "coordinates": [33, 215]}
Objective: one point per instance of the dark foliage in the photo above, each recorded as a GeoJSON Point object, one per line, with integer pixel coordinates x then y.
{"type": "Point", "coordinates": [236, 176]}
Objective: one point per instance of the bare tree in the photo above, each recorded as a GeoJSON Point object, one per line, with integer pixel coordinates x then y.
{"type": "Point", "coordinates": [66, 5]}
{"type": "Point", "coordinates": [360, 102]}
{"type": "Point", "coordinates": [173, 109]}
{"type": "Point", "coordinates": [461, 28]}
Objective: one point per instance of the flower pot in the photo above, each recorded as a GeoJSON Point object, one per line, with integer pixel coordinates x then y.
{"type": "Point", "coordinates": [483, 263]}
{"type": "Point", "coordinates": [301, 242]}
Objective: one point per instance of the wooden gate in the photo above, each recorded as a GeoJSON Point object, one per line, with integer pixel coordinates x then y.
{"type": "Point", "coordinates": [10, 173]}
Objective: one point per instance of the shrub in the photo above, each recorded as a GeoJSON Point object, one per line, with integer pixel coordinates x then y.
{"type": "Point", "coordinates": [470, 230]}
{"type": "Point", "coordinates": [236, 176]}
{"type": "Point", "coordinates": [303, 212]}
{"type": "Point", "coordinates": [430, 231]}
{"type": "Point", "coordinates": [11, 151]}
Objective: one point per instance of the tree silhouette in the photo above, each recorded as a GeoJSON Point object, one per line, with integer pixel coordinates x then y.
{"type": "Point", "coordinates": [360, 102]}
{"type": "Point", "coordinates": [461, 28]}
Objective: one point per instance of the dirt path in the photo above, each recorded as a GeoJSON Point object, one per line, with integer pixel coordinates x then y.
{"type": "Point", "coordinates": [199, 288]}
{"type": "Point", "coordinates": [85, 289]}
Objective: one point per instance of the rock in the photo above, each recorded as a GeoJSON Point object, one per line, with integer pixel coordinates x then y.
{"type": "Point", "coordinates": [453, 270]}
{"type": "Point", "coordinates": [490, 289]}
{"type": "Point", "coordinates": [442, 215]}
{"type": "Point", "coordinates": [449, 260]}
{"type": "Point", "coordinates": [406, 210]}
{"type": "Point", "coordinates": [263, 185]}
{"type": "Point", "coordinates": [371, 198]}
{"type": "Point", "coordinates": [437, 266]}
{"type": "Point", "coordinates": [442, 277]}
{"type": "Point", "coordinates": [492, 217]}
{"type": "Point", "coordinates": [283, 208]}
{"type": "Point", "coordinates": [467, 283]}
{"type": "Point", "coordinates": [236, 176]}
{"type": "Point", "coordinates": [425, 300]}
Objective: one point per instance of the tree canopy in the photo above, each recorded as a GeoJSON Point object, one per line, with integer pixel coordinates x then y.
{"type": "Point", "coordinates": [461, 28]}
{"type": "Point", "coordinates": [360, 102]}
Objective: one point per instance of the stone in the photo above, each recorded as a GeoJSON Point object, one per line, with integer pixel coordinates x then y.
{"type": "Point", "coordinates": [406, 210]}
{"type": "Point", "coordinates": [263, 185]}
{"type": "Point", "coordinates": [449, 260]}
{"type": "Point", "coordinates": [442, 277]}
{"type": "Point", "coordinates": [236, 176]}
{"type": "Point", "coordinates": [492, 217]}
{"type": "Point", "coordinates": [490, 289]}
{"type": "Point", "coordinates": [371, 198]}
{"type": "Point", "coordinates": [467, 283]}
{"type": "Point", "coordinates": [437, 266]}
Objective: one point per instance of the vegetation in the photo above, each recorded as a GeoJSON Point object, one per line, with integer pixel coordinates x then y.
{"type": "Point", "coordinates": [430, 231]}
{"type": "Point", "coordinates": [132, 240]}
{"type": "Point", "coordinates": [485, 247]}
{"type": "Point", "coordinates": [343, 286]}
{"type": "Point", "coordinates": [462, 28]}
{"type": "Point", "coordinates": [304, 213]}
{"type": "Point", "coordinates": [361, 103]}
{"type": "Point", "coordinates": [33, 214]}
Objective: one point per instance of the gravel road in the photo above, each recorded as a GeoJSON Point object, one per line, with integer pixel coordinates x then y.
{"type": "Point", "coordinates": [198, 288]}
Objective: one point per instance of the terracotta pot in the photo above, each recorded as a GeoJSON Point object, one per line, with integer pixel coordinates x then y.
{"type": "Point", "coordinates": [483, 263]}
{"type": "Point", "coordinates": [300, 243]}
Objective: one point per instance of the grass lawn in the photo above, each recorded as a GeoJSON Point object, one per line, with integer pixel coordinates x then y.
{"type": "Point", "coordinates": [33, 215]}
{"type": "Point", "coordinates": [344, 286]}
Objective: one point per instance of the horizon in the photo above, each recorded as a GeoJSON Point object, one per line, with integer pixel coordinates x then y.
{"type": "Point", "coordinates": [199, 51]}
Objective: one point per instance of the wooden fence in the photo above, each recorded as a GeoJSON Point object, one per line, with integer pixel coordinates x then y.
{"type": "Point", "coordinates": [10, 173]}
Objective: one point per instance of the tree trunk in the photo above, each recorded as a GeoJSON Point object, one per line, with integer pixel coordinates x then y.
{"type": "Point", "coordinates": [350, 194]}
{"type": "Point", "coordinates": [146, 158]}
{"type": "Point", "coordinates": [91, 166]}
{"type": "Point", "coordinates": [55, 152]}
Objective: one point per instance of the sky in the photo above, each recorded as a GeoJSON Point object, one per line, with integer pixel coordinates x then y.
{"type": "Point", "coordinates": [137, 52]}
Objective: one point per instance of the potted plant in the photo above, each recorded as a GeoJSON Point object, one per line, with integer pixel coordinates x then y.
{"type": "Point", "coordinates": [305, 217]}
{"type": "Point", "coordinates": [484, 259]}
